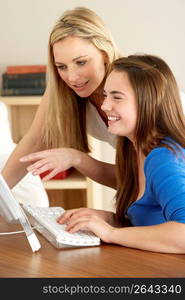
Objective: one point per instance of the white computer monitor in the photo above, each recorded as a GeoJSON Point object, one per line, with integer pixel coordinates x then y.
{"type": "Point", "coordinates": [12, 212]}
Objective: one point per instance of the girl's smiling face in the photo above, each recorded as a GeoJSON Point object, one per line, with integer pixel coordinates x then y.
{"type": "Point", "coordinates": [120, 105]}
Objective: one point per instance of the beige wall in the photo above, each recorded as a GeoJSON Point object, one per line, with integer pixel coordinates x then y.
{"type": "Point", "coordinates": [150, 26]}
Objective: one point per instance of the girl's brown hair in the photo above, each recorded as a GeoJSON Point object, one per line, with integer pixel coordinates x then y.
{"type": "Point", "coordinates": [160, 115]}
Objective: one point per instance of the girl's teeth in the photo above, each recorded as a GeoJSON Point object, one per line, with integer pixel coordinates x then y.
{"type": "Point", "coordinates": [113, 118]}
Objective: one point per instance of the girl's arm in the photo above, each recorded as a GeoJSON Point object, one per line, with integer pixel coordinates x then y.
{"type": "Point", "coordinates": [168, 237]}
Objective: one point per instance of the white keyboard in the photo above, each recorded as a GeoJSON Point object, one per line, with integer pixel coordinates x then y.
{"type": "Point", "coordinates": [43, 219]}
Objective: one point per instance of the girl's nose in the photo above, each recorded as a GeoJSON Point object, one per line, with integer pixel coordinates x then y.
{"type": "Point", "coordinates": [106, 105]}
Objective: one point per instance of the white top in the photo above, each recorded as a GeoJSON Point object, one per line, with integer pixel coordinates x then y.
{"type": "Point", "coordinates": [96, 126]}
{"type": "Point", "coordinates": [182, 95]}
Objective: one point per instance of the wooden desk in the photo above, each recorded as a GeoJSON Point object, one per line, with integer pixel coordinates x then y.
{"type": "Point", "coordinates": [17, 260]}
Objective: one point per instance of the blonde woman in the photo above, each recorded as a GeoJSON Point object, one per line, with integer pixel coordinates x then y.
{"type": "Point", "coordinates": [81, 50]}
{"type": "Point", "coordinates": [143, 107]}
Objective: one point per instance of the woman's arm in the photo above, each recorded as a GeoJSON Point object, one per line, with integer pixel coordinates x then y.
{"type": "Point", "coordinates": [14, 170]}
{"type": "Point", "coordinates": [101, 172]}
{"type": "Point", "coordinates": [61, 159]}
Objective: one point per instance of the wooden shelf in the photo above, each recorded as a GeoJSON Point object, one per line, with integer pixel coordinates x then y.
{"type": "Point", "coordinates": [75, 180]}
{"type": "Point", "coordinates": [73, 191]}
{"type": "Point", "coordinates": [21, 100]}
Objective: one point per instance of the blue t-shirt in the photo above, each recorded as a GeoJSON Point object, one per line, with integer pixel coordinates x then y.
{"type": "Point", "coordinates": [164, 196]}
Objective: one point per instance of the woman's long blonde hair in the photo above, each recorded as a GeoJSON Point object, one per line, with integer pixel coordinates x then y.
{"type": "Point", "coordinates": [66, 117]}
{"type": "Point", "coordinates": [160, 115]}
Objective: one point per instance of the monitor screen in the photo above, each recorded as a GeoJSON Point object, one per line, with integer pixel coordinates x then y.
{"type": "Point", "coordinates": [12, 212]}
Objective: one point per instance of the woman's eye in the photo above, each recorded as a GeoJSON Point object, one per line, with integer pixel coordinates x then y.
{"type": "Point", "coordinates": [81, 62]}
{"type": "Point", "coordinates": [61, 67]}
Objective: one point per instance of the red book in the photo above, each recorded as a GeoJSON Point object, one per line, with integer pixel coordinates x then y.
{"type": "Point", "coordinates": [59, 176]}
{"type": "Point", "coordinates": [24, 69]}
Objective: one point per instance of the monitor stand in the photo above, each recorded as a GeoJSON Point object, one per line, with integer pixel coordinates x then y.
{"type": "Point", "coordinates": [12, 212]}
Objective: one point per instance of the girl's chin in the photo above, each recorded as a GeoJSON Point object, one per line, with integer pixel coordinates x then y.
{"type": "Point", "coordinates": [114, 131]}
{"type": "Point", "coordinates": [111, 130]}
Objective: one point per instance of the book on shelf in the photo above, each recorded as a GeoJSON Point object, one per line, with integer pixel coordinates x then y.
{"type": "Point", "coordinates": [23, 69]}
{"type": "Point", "coordinates": [23, 91]}
{"type": "Point", "coordinates": [24, 75]}
{"type": "Point", "coordinates": [59, 176]}
{"type": "Point", "coordinates": [23, 80]}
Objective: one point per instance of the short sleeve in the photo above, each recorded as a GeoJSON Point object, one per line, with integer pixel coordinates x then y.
{"type": "Point", "coordinates": [165, 172]}
{"type": "Point", "coordinates": [182, 96]}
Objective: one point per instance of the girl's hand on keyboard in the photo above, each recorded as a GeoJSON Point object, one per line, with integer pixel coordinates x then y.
{"type": "Point", "coordinates": [74, 214]}
{"type": "Point", "coordinates": [54, 160]}
{"type": "Point", "coordinates": [94, 224]}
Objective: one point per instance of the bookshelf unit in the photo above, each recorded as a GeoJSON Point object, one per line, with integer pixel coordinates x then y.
{"type": "Point", "coordinates": [73, 191]}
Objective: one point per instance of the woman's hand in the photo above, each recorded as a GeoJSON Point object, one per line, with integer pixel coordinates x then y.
{"type": "Point", "coordinates": [77, 213]}
{"type": "Point", "coordinates": [56, 160]}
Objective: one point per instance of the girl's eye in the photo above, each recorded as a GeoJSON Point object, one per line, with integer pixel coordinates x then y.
{"type": "Point", "coordinates": [117, 98]}
{"type": "Point", "coordinates": [104, 96]}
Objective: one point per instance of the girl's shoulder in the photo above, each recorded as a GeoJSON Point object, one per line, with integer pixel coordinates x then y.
{"type": "Point", "coordinates": [170, 153]}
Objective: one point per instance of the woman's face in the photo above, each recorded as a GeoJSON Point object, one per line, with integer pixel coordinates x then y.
{"type": "Point", "coordinates": [80, 64]}
{"type": "Point", "coordinates": [120, 105]}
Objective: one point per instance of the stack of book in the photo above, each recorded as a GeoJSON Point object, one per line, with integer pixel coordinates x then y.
{"type": "Point", "coordinates": [59, 176]}
{"type": "Point", "coordinates": [24, 80]}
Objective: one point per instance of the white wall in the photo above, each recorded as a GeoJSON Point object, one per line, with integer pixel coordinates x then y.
{"type": "Point", "coordinates": [150, 26]}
